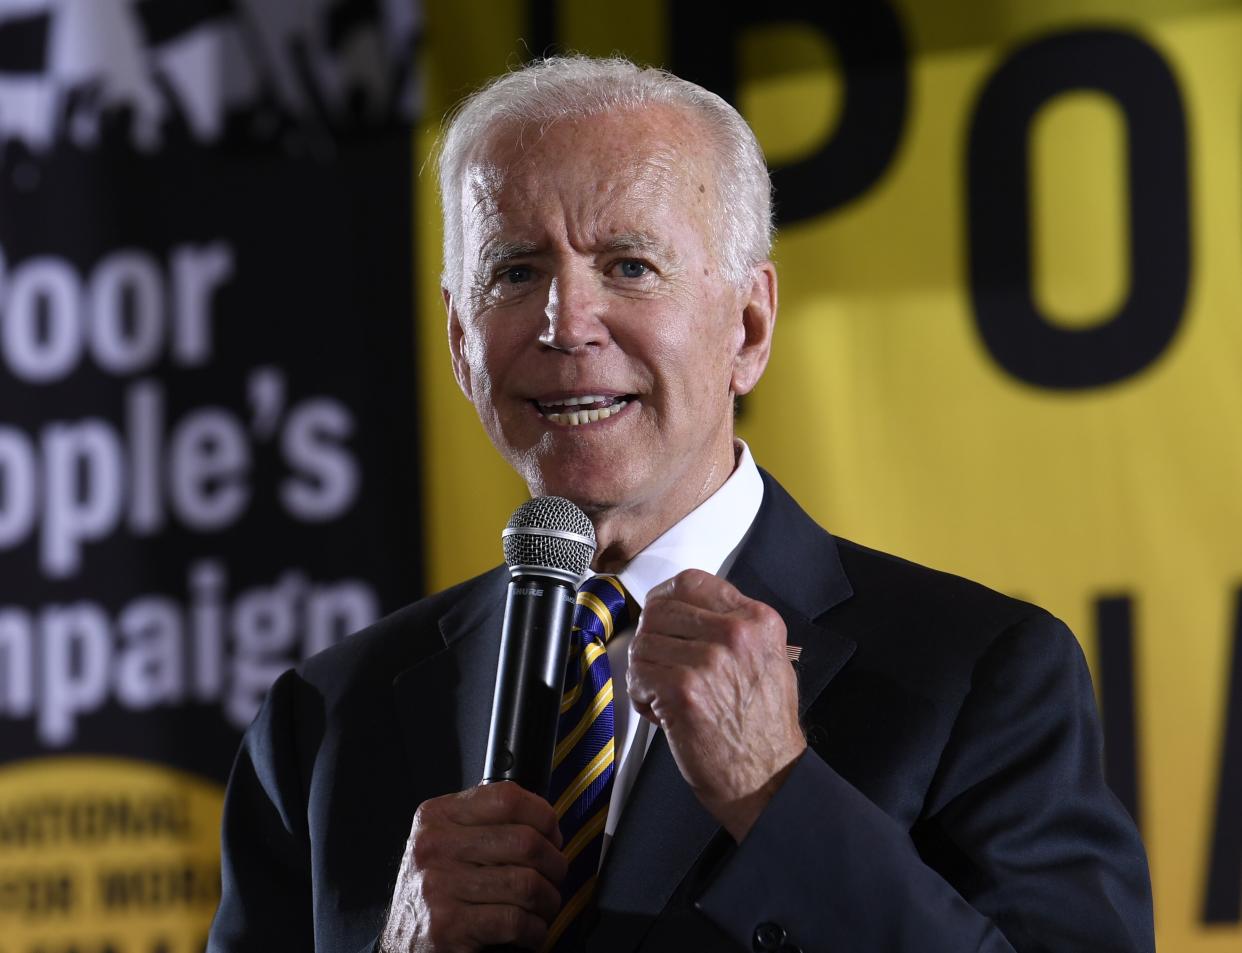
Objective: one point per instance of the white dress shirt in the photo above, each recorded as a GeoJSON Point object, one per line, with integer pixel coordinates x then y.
{"type": "Point", "coordinates": [706, 538]}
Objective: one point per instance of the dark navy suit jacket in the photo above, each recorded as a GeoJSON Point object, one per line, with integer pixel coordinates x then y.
{"type": "Point", "coordinates": [951, 798]}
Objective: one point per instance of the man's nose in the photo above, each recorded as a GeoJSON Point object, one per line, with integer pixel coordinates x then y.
{"type": "Point", "coordinates": [574, 314]}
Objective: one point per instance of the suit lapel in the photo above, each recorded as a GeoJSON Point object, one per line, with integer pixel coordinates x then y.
{"type": "Point", "coordinates": [824, 650]}
{"type": "Point", "coordinates": [791, 564]}
{"type": "Point", "coordinates": [463, 673]}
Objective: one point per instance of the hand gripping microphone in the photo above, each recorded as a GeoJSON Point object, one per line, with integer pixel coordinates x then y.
{"type": "Point", "coordinates": [548, 545]}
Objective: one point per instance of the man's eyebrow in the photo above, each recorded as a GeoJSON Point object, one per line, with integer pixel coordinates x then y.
{"type": "Point", "coordinates": [636, 241]}
{"type": "Point", "coordinates": [500, 251]}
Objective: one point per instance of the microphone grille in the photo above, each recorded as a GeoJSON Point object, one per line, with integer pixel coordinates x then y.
{"type": "Point", "coordinates": [551, 532]}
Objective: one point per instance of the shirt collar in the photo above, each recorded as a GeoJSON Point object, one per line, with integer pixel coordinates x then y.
{"type": "Point", "coordinates": [706, 537]}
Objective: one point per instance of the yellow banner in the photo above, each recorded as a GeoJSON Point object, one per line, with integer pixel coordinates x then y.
{"type": "Point", "coordinates": [1009, 340]}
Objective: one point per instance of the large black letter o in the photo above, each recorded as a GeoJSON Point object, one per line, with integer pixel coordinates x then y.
{"type": "Point", "coordinates": [1026, 345]}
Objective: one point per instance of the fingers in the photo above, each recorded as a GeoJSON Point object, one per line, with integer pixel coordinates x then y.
{"type": "Point", "coordinates": [489, 827]}
{"type": "Point", "coordinates": [491, 905]}
{"type": "Point", "coordinates": [466, 927]}
{"type": "Point", "coordinates": [503, 803]}
{"type": "Point", "coordinates": [698, 588]}
{"type": "Point", "coordinates": [671, 617]}
{"type": "Point", "coordinates": [707, 664]}
{"type": "Point", "coordinates": [481, 868]}
{"type": "Point", "coordinates": [656, 648]}
{"type": "Point", "coordinates": [519, 887]}
{"type": "Point", "coordinates": [494, 924]}
{"type": "Point", "coordinates": [496, 845]}
{"type": "Point", "coordinates": [699, 607]}
{"type": "Point", "coordinates": [692, 626]}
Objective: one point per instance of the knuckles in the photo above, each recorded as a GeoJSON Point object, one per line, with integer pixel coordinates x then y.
{"type": "Point", "coordinates": [767, 619]}
{"type": "Point", "coordinates": [511, 919]}
{"type": "Point", "coordinates": [506, 796]}
{"type": "Point", "coordinates": [640, 647]}
{"type": "Point", "coordinates": [526, 886]}
{"type": "Point", "coordinates": [681, 689]}
{"type": "Point", "coordinates": [524, 845]}
{"type": "Point", "coordinates": [516, 925]}
{"type": "Point", "coordinates": [429, 813]}
{"type": "Point", "coordinates": [732, 642]}
{"type": "Point", "coordinates": [433, 888]}
{"type": "Point", "coordinates": [679, 586]}
{"type": "Point", "coordinates": [426, 848]}
{"type": "Point", "coordinates": [758, 631]}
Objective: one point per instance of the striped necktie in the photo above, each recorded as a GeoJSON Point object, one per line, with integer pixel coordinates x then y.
{"type": "Point", "coordinates": [582, 766]}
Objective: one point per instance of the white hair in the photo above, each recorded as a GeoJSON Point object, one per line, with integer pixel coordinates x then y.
{"type": "Point", "coordinates": [577, 87]}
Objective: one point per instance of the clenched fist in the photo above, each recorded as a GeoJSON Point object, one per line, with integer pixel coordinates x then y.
{"type": "Point", "coordinates": [708, 665]}
{"type": "Point", "coordinates": [480, 868]}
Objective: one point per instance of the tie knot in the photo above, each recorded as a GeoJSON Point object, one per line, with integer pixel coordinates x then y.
{"type": "Point", "coordinates": [601, 607]}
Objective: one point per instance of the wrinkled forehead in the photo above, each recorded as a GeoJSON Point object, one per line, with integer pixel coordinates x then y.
{"type": "Point", "coordinates": [595, 168]}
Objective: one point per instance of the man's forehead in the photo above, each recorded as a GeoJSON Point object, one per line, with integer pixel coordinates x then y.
{"type": "Point", "coordinates": [652, 169]}
{"type": "Point", "coordinates": [630, 151]}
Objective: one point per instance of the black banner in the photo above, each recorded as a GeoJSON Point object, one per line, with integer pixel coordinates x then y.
{"type": "Point", "coordinates": [208, 447]}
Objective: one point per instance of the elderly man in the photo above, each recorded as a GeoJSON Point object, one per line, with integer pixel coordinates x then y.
{"type": "Point", "coordinates": [926, 777]}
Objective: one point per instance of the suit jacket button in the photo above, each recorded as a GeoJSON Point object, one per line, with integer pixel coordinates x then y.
{"type": "Point", "coordinates": [768, 937]}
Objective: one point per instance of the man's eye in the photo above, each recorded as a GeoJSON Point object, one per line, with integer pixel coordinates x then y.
{"type": "Point", "coordinates": [632, 269]}
{"type": "Point", "coordinates": [517, 274]}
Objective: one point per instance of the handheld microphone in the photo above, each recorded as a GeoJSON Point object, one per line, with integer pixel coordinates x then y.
{"type": "Point", "coordinates": [548, 545]}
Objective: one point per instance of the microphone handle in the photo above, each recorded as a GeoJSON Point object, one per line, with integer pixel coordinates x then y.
{"type": "Point", "coordinates": [530, 678]}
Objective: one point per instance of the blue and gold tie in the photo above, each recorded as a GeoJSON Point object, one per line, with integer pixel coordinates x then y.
{"type": "Point", "coordinates": [582, 766]}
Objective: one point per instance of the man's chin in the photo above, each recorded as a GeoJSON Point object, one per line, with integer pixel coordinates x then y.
{"type": "Point", "coordinates": [590, 500]}
{"type": "Point", "coordinates": [592, 493]}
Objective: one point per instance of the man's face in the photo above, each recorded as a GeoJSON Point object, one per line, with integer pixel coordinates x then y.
{"type": "Point", "coordinates": [595, 333]}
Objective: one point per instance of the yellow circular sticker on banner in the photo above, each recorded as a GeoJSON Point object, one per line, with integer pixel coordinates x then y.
{"type": "Point", "coordinates": [105, 855]}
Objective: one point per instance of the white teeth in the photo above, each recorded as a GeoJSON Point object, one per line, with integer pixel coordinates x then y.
{"type": "Point", "coordinates": [589, 399]}
{"type": "Point", "coordinates": [575, 418]}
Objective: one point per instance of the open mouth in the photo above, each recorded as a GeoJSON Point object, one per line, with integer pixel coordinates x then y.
{"type": "Point", "coordinates": [575, 411]}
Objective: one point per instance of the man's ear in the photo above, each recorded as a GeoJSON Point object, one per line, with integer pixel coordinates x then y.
{"type": "Point", "coordinates": [758, 323]}
{"type": "Point", "coordinates": [461, 369]}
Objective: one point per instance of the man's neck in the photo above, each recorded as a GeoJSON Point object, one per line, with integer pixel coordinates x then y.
{"type": "Point", "coordinates": [622, 533]}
